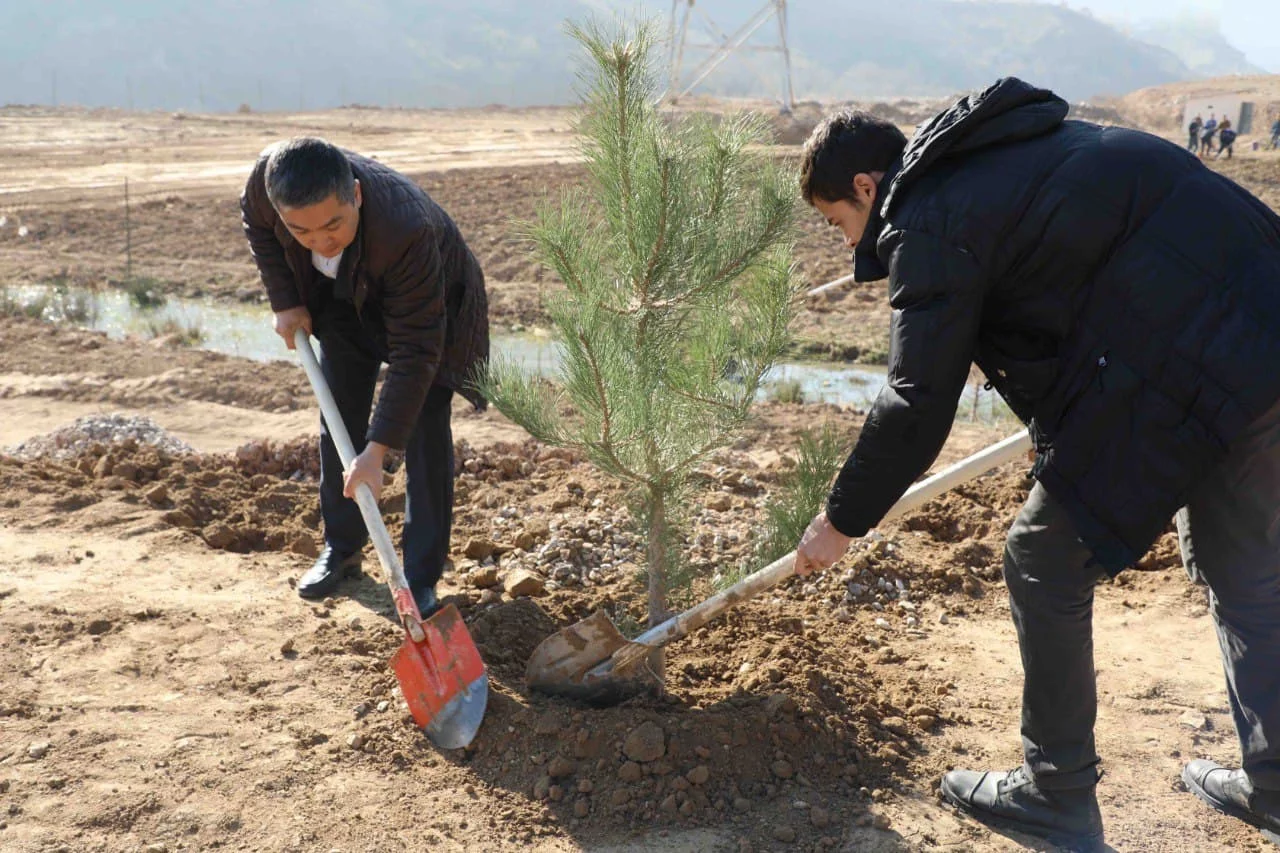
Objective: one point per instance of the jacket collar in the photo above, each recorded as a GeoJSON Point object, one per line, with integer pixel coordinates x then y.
{"type": "Point", "coordinates": [867, 265]}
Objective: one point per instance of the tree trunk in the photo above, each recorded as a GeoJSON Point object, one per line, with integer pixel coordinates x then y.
{"type": "Point", "coordinates": [656, 554]}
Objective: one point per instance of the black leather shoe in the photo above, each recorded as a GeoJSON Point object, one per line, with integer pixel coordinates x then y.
{"type": "Point", "coordinates": [1068, 818]}
{"type": "Point", "coordinates": [428, 603]}
{"type": "Point", "coordinates": [327, 572]}
{"type": "Point", "coordinates": [1230, 792]}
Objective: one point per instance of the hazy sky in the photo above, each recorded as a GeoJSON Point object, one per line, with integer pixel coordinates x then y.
{"type": "Point", "coordinates": [1251, 25]}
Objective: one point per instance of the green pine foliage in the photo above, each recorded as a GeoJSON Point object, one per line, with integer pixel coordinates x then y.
{"type": "Point", "coordinates": [677, 263]}
{"type": "Point", "coordinates": [800, 495]}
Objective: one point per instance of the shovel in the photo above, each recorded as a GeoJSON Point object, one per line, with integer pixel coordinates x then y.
{"type": "Point", "coordinates": [438, 665]}
{"type": "Point", "coordinates": [592, 661]}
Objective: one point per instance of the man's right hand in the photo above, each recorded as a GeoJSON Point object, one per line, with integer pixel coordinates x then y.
{"type": "Point", "coordinates": [289, 321]}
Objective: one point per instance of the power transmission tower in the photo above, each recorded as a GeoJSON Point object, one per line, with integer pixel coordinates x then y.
{"type": "Point", "coordinates": [722, 46]}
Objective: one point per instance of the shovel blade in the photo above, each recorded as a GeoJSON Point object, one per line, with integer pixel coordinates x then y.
{"type": "Point", "coordinates": [577, 662]}
{"type": "Point", "coordinates": [443, 680]}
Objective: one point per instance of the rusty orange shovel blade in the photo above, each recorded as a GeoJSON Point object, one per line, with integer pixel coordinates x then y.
{"type": "Point", "coordinates": [443, 680]}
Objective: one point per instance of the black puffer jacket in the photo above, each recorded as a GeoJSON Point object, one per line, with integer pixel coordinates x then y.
{"type": "Point", "coordinates": [1123, 298]}
{"type": "Point", "coordinates": [409, 265]}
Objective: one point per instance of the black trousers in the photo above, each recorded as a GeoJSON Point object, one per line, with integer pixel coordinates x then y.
{"type": "Point", "coordinates": [1230, 537]}
{"type": "Point", "coordinates": [351, 354]}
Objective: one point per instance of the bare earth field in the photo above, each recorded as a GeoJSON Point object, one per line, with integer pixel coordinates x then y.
{"type": "Point", "coordinates": [165, 688]}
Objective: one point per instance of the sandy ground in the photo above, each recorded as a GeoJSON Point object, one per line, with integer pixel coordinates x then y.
{"type": "Point", "coordinates": [165, 688]}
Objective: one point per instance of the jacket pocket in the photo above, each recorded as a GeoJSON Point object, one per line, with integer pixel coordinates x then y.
{"type": "Point", "coordinates": [1023, 382]}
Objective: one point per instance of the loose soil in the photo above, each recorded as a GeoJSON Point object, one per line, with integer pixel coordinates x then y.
{"type": "Point", "coordinates": [166, 689]}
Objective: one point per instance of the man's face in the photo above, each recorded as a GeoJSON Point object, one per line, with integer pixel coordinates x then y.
{"type": "Point", "coordinates": [326, 227]}
{"type": "Point", "coordinates": [851, 217]}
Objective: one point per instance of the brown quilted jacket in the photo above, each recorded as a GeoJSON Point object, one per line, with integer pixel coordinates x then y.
{"type": "Point", "coordinates": [410, 264]}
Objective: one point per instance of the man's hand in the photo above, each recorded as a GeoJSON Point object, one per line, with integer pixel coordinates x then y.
{"type": "Point", "coordinates": [821, 547]}
{"type": "Point", "coordinates": [289, 321]}
{"type": "Point", "coordinates": [367, 469]}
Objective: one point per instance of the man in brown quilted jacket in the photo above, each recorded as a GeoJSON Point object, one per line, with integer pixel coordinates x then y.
{"type": "Point", "coordinates": [358, 255]}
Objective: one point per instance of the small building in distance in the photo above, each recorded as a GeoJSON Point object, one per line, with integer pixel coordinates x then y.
{"type": "Point", "coordinates": [1228, 106]}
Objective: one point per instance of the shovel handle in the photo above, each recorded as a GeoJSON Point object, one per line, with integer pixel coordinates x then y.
{"type": "Point", "coordinates": [782, 568]}
{"type": "Point", "coordinates": [369, 510]}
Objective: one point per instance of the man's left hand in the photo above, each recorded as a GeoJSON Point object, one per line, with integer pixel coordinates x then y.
{"type": "Point", "coordinates": [367, 469]}
{"type": "Point", "coordinates": [821, 547]}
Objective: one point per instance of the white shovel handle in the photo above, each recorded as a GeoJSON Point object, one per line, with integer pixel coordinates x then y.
{"type": "Point", "coordinates": [782, 568]}
{"type": "Point", "coordinates": [369, 510]}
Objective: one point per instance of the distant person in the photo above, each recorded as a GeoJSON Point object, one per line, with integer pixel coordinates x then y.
{"type": "Point", "coordinates": [1275, 134]}
{"type": "Point", "coordinates": [1226, 138]}
{"type": "Point", "coordinates": [359, 255]}
{"type": "Point", "coordinates": [1193, 129]}
{"type": "Point", "coordinates": [1207, 134]}
{"type": "Point", "coordinates": [1140, 347]}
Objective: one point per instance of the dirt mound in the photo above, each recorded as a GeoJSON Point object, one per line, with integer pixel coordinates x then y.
{"type": "Point", "coordinates": [70, 441]}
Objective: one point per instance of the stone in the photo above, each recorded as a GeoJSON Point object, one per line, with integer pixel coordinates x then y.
{"type": "Point", "coordinates": [897, 725]}
{"type": "Point", "coordinates": [782, 769]}
{"type": "Point", "coordinates": [38, 750]}
{"type": "Point", "coordinates": [720, 502]}
{"type": "Point", "coordinates": [560, 767]}
{"type": "Point", "coordinates": [646, 742]}
{"type": "Point", "coordinates": [484, 577]}
{"type": "Point", "coordinates": [490, 596]}
{"type": "Point", "coordinates": [219, 535]}
{"type": "Point", "coordinates": [98, 627]}
{"type": "Point", "coordinates": [478, 548]}
{"type": "Point", "coordinates": [630, 772]}
{"type": "Point", "coordinates": [620, 797]}
{"type": "Point", "coordinates": [881, 821]}
{"type": "Point", "coordinates": [819, 817]}
{"type": "Point", "coordinates": [355, 741]}
{"type": "Point", "coordinates": [582, 807]}
{"type": "Point", "coordinates": [304, 545]}
{"type": "Point", "coordinates": [784, 833]}
{"type": "Point", "coordinates": [103, 467]}
{"type": "Point", "coordinates": [178, 518]}
{"type": "Point", "coordinates": [287, 648]}
{"type": "Point", "coordinates": [157, 494]}
{"type": "Point", "coordinates": [1193, 720]}
{"type": "Point", "coordinates": [699, 775]}
{"type": "Point", "coordinates": [523, 582]}
{"type": "Point", "coordinates": [925, 721]}
{"type": "Point", "coordinates": [741, 804]}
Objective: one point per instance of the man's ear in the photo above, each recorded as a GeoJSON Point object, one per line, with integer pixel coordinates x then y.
{"type": "Point", "coordinates": [359, 197]}
{"type": "Point", "coordinates": [864, 187]}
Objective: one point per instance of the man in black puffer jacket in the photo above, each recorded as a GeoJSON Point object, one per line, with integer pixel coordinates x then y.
{"type": "Point", "coordinates": [1144, 353]}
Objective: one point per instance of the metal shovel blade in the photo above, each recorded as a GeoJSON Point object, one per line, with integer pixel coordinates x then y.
{"type": "Point", "coordinates": [580, 662]}
{"type": "Point", "coordinates": [443, 680]}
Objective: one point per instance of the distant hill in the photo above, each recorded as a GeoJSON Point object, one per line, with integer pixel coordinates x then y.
{"type": "Point", "coordinates": [1200, 46]}
{"type": "Point", "coordinates": [219, 54]}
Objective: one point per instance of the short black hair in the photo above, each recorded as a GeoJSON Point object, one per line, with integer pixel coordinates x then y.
{"type": "Point", "coordinates": [306, 171]}
{"type": "Point", "coordinates": [845, 144]}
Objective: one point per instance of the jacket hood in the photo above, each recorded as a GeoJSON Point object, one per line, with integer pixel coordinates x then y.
{"type": "Point", "coordinates": [1007, 111]}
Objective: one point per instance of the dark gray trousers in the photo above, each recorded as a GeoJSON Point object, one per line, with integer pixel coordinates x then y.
{"type": "Point", "coordinates": [1230, 537]}
{"type": "Point", "coordinates": [351, 355]}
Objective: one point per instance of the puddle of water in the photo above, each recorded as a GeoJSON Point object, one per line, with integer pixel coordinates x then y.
{"type": "Point", "coordinates": [245, 331]}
